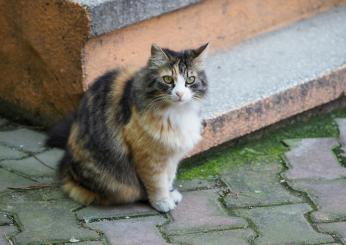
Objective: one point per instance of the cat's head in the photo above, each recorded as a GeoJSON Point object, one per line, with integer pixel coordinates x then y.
{"type": "Point", "coordinates": [177, 77]}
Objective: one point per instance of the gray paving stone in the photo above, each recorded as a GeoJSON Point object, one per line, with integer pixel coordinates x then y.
{"type": "Point", "coordinates": [10, 153]}
{"type": "Point", "coordinates": [195, 184]}
{"type": "Point", "coordinates": [257, 184]}
{"type": "Point", "coordinates": [227, 237]}
{"type": "Point", "coordinates": [8, 179]}
{"type": "Point", "coordinates": [338, 229]}
{"type": "Point", "coordinates": [284, 224]}
{"type": "Point", "coordinates": [4, 220]}
{"type": "Point", "coordinates": [45, 217]}
{"type": "Point", "coordinates": [3, 122]}
{"type": "Point", "coordinates": [314, 159]}
{"type": "Point", "coordinates": [5, 233]}
{"type": "Point", "coordinates": [93, 212]}
{"type": "Point", "coordinates": [89, 243]}
{"type": "Point", "coordinates": [201, 211]}
{"type": "Point", "coordinates": [51, 157]}
{"type": "Point", "coordinates": [29, 167]}
{"type": "Point", "coordinates": [24, 139]}
{"type": "Point", "coordinates": [342, 129]}
{"type": "Point", "coordinates": [132, 231]}
{"type": "Point", "coordinates": [329, 197]}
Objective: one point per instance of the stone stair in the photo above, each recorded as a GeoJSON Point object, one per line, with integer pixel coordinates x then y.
{"type": "Point", "coordinates": [269, 60]}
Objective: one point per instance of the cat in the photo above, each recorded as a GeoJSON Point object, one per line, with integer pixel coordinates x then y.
{"type": "Point", "coordinates": [131, 129]}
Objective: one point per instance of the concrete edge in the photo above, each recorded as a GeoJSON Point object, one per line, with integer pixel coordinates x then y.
{"type": "Point", "coordinates": [109, 15]}
{"type": "Point", "coordinates": [270, 110]}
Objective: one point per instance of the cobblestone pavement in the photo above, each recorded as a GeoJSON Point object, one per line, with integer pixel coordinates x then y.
{"type": "Point", "coordinates": [299, 201]}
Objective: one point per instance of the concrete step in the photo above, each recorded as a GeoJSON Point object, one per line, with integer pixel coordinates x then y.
{"type": "Point", "coordinates": [275, 76]}
{"type": "Point", "coordinates": [51, 51]}
{"type": "Point", "coordinates": [108, 15]}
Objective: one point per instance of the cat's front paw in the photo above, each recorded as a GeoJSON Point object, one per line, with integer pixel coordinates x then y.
{"type": "Point", "coordinates": [164, 205]}
{"type": "Point", "coordinates": [176, 196]}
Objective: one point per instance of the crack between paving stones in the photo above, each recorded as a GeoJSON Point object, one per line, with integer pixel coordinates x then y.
{"type": "Point", "coordinates": [169, 218]}
{"type": "Point", "coordinates": [19, 174]}
{"type": "Point", "coordinates": [43, 163]}
{"type": "Point", "coordinates": [94, 220]}
{"type": "Point", "coordinates": [304, 195]}
{"type": "Point", "coordinates": [340, 155]}
{"type": "Point", "coordinates": [83, 225]}
{"type": "Point", "coordinates": [230, 212]}
{"type": "Point", "coordinates": [23, 151]}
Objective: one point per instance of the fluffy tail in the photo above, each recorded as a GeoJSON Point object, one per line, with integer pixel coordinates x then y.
{"type": "Point", "coordinates": [58, 135]}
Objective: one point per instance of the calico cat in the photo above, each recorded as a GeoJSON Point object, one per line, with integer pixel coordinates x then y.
{"type": "Point", "coordinates": [131, 129]}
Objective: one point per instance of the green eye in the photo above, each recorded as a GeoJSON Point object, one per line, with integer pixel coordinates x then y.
{"type": "Point", "coordinates": [190, 80]}
{"type": "Point", "coordinates": [168, 79]}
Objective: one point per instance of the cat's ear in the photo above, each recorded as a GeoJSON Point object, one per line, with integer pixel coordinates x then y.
{"type": "Point", "coordinates": [200, 54]}
{"type": "Point", "coordinates": [158, 56]}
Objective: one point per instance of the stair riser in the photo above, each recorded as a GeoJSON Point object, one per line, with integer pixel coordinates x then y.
{"type": "Point", "coordinates": [269, 111]}
{"type": "Point", "coordinates": [222, 23]}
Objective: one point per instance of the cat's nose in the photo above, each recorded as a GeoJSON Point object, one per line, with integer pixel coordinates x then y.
{"type": "Point", "coordinates": [179, 94]}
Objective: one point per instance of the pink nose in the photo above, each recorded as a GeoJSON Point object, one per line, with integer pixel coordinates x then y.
{"type": "Point", "coordinates": [179, 94]}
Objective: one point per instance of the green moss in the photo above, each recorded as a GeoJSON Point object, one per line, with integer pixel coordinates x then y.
{"type": "Point", "coordinates": [267, 149]}
{"type": "Point", "coordinates": [340, 155]}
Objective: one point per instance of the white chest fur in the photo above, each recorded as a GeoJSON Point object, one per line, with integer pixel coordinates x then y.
{"type": "Point", "coordinates": [180, 127]}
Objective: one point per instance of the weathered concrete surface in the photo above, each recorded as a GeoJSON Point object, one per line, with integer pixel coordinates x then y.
{"type": "Point", "coordinates": [342, 130]}
{"type": "Point", "coordinates": [338, 229]}
{"type": "Point", "coordinates": [10, 153]}
{"type": "Point", "coordinates": [126, 211]}
{"type": "Point", "coordinates": [257, 185]}
{"type": "Point", "coordinates": [6, 232]}
{"type": "Point", "coordinates": [8, 180]}
{"type": "Point", "coordinates": [284, 224]}
{"type": "Point", "coordinates": [274, 77]}
{"type": "Point", "coordinates": [109, 15]}
{"type": "Point", "coordinates": [230, 237]}
{"type": "Point", "coordinates": [132, 231]}
{"type": "Point", "coordinates": [231, 22]}
{"type": "Point", "coordinates": [314, 159]}
{"type": "Point", "coordinates": [23, 139]}
{"type": "Point", "coordinates": [262, 210]}
{"type": "Point", "coordinates": [40, 57]}
{"type": "Point", "coordinates": [329, 196]}
{"type": "Point", "coordinates": [47, 58]}
{"type": "Point", "coordinates": [45, 215]}
{"type": "Point", "coordinates": [200, 211]}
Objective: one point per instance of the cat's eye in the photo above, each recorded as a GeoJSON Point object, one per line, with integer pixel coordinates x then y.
{"type": "Point", "coordinates": [190, 80]}
{"type": "Point", "coordinates": [168, 79]}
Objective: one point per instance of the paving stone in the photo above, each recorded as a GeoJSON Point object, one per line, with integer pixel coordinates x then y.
{"type": "Point", "coordinates": [313, 158]}
{"type": "Point", "coordinates": [4, 220]}
{"type": "Point", "coordinates": [10, 153]}
{"type": "Point", "coordinates": [132, 231]}
{"type": "Point", "coordinates": [342, 129]}
{"type": "Point", "coordinates": [329, 196]}
{"type": "Point", "coordinates": [89, 243]}
{"type": "Point", "coordinates": [24, 139]}
{"type": "Point", "coordinates": [257, 185]}
{"type": "Point", "coordinates": [93, 212]}
{"type": "Point", "coordinates": [338, 229]}
{"type": "Point", "coordinates": [8, 179]}
{"type": "Point", "coordinates": [227, 237]}
{"type": "Point", "coordinates": [284, 224]}
{"type": "Point", "coordinates": [5, 233]}
{"type": "Point", "coordinates": [29, 167]}
{"type": "Point", "coordinates": [195, 184]}
{"type": "Point", "coordinates": [51, 157]}
{"type": "Point", "coordinates": [201, 211]}
{"type": "Point", "coordinates": [3, 122]}
{"type": "Point", "coordinates": [45, 216]}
